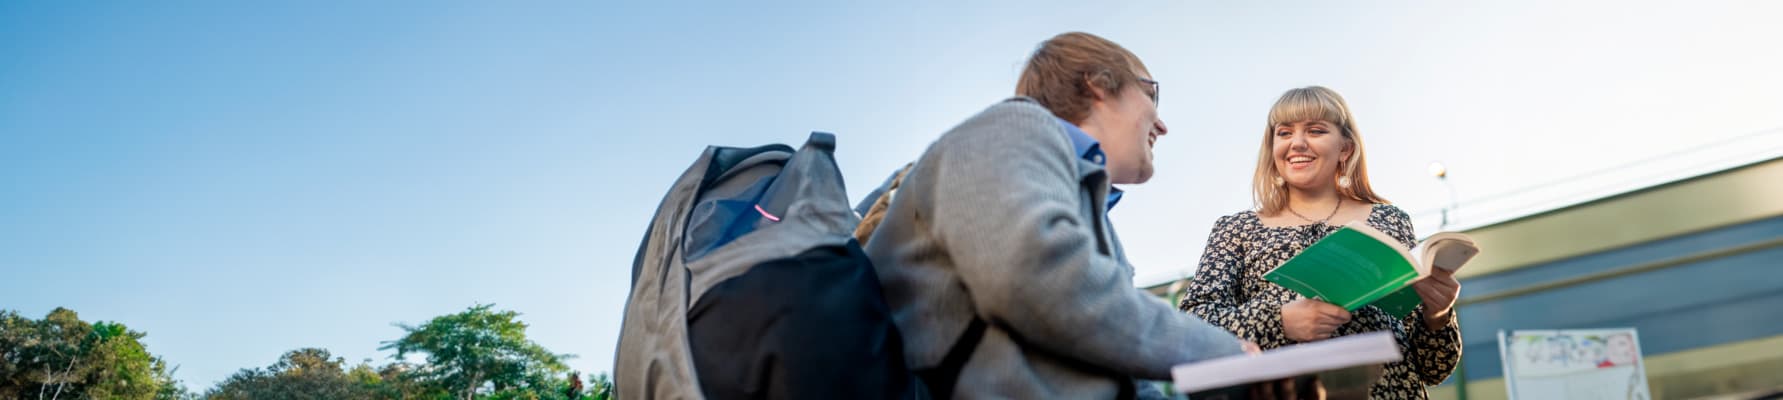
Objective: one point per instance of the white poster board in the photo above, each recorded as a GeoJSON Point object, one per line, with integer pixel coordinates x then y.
{"type": "Point", "coordinates": [1573, 364]}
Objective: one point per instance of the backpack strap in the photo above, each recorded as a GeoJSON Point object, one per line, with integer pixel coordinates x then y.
{"type": "Point", "coordinates": [941, 378]}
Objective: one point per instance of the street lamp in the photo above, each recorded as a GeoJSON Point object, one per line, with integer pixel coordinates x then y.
{"type": "Point", "coordinates": [1442, 174]}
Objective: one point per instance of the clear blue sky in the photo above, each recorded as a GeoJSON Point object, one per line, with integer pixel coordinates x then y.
{"type": "Point", "coordinates": [239, 180]}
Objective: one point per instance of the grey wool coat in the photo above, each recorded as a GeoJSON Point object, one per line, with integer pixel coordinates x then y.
{"type": "Point", "coordinates": [1000, 220]}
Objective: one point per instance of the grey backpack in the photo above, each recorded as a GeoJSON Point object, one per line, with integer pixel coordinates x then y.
{"type": "Point", "coordinates": [748, 284]}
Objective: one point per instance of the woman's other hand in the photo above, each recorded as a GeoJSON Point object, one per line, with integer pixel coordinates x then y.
{"type": "Point", "coordinates": [1439, 292]}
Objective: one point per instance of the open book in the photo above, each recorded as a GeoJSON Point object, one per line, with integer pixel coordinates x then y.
{"type": "Point", "coordinates": [1335, 360]}
{"type": "Point", "coordinates": [1358, 265]}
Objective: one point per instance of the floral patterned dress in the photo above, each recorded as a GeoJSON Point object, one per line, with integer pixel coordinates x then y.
{"type": "Point", "coordinates": [1229, 291]}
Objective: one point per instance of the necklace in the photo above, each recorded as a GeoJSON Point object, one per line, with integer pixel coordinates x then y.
{"type": "Point", "coordinates": [1320, 221]}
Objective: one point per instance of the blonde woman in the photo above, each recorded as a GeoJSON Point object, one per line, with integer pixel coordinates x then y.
{"type": "Point", "coordinates": [1312, 178]}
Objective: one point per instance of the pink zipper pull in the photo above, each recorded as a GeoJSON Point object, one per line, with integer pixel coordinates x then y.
{"type": "Point", "coordinates": [764, 213]}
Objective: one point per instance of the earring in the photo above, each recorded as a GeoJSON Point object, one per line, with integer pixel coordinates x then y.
{"type": "Point", "coordinates": [1279, 181]}
{"type": "Point", "coordinates": [1343, 182]}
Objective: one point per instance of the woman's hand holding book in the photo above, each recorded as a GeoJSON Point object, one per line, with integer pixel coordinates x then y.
{"type": "Point", "coordinates": [1307, 320]}
{"type": "Point", "coordinates": [1439, 291]}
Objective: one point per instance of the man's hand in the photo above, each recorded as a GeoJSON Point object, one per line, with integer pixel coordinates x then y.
{"type": "Point", "coordinates": [1307, 320]}
{"type": "Point", "coordinates": [1249, 348]}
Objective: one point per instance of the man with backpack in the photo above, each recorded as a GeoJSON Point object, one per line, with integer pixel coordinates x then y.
{"type": "Point", "coordinates": [996, 256]}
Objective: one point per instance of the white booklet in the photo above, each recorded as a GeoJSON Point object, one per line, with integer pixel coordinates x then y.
{"type": "Point", "coordinates": [1286, 362]}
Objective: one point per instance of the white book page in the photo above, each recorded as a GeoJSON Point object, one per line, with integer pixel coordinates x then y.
{"type": "Point", "coordinates": [1446, 250]}
{"type": "Point", "coordinates": [1291, 361]}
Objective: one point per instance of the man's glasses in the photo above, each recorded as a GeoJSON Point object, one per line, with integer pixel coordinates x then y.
{"type": "Point", "coordinates": [1151, 89]}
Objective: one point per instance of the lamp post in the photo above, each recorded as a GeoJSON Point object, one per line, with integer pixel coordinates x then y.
{"type": "Point", "coordinates": [1442, 174]}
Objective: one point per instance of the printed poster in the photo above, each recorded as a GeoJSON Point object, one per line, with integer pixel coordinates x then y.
{"type": "Point", "coordinates": [1573, 364]}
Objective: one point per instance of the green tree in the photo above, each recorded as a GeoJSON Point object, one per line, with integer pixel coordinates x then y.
{"type": "Point", "coordinates": [600, 387]}
{"type": "Point", "coordinates": [397, 380]}
{"type": "Point", "coordinates": [302, 374]}
{"type": "Point", "coordinates": [16, 336]}
{"type": "Point", "coordinates": [61, 356]}
{"type": "Point", "coordinates": [482, 351]}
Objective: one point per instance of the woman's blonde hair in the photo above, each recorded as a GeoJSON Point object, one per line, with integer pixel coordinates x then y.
{"type": "Point", "coordinates": [1307, 104]}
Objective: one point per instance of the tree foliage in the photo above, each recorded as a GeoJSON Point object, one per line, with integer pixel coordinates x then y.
{"type": "Point", "coordinates": [482, 351]}
{"type": "Point", "coordinates": [600, 387]}
{"type": "Point", "coordinates": [63, 357]}
{"type": "Point", "coordinates": [302, 374]}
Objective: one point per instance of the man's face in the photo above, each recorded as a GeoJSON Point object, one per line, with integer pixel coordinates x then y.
{"type": "Point", "coordinates": [1133, 127]}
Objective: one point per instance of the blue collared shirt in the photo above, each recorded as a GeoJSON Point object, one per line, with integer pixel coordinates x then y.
{"type": "Point", "coordinates": [1090, 150]}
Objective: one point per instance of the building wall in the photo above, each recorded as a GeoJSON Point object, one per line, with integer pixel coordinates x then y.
{"type": "Point", "coordinates": [1695, 265]}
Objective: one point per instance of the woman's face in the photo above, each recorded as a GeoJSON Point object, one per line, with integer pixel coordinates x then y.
{"type": "Point", "coordinates": [1307, 153]}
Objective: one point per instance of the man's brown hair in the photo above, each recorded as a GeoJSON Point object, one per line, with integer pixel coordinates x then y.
{"type": "Point", "coordinates": [1064, 68]}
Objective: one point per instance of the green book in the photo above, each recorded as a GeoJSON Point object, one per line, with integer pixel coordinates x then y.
{"type": "Point", "coordinates": [1358, 265]}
